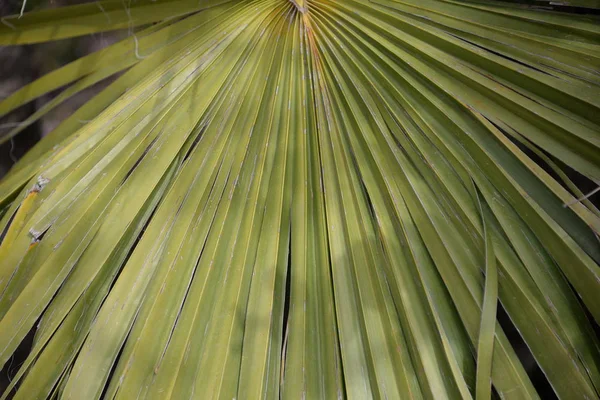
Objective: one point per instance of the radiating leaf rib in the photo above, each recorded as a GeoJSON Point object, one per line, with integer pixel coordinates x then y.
{"type": "Point", "coordinates": [122, 391]}
{"type": "Point", "coordinates": [61, 226]}
{"type": "Point", "coordinates": [312, 346]}
{"type": "Point", "coordinates": [110, 176]}
{"type": "Point", "coordinates": [202, 267]}
{"type": "Point", "coordinates": [214, 83]}
{"type": "Point", "coordinates": [459, 86]}
{"type": "Point", "coordinates": [60, 136]}
{"type": "Point", "coordinates": [404, 371]}
{"type": "Point", "coordinates": [476, 28]}
{"type": "Point", "coordinates": [39, 381]}
{"type": "Point", "coordinates": [270, 266]}
{"type": "Point", "coordinates": [485, 343]}
{"type": "Point", "coordinates": [220, 366]}
{"type": "Point", "coordinates": [378, 205]}
{"type": "Point", "coordinates": [188, 256]}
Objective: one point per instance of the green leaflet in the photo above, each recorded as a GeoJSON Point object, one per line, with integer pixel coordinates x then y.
{"type": "Point", "coordinates": [485, 344]}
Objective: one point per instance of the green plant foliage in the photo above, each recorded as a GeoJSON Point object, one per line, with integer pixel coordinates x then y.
{"type": "Point", "coordinates": [316, 200]}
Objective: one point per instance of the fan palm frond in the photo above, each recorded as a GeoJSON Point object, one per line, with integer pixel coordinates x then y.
{"type": "Point", "coordinates": [309, 199]}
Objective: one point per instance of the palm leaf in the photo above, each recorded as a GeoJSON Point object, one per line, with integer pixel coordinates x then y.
{"type": "Point", "coordinates": [307, 200]}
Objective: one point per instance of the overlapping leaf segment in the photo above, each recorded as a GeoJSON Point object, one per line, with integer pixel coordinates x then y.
{"type": "Point", "coordinates": [313, 200]}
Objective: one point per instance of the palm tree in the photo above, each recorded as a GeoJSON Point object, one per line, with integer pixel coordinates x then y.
{"type": "Point", "coordinates": [320, 199]}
